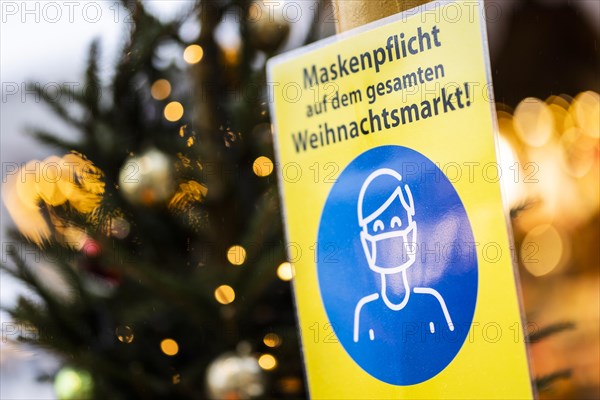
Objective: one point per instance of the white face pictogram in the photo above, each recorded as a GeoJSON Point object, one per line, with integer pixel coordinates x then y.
{"type": "Point", "coordinates": [389, 234]}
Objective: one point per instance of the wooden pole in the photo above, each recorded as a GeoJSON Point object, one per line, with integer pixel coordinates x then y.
{"type": "Point", "coordinates": [353, 13]}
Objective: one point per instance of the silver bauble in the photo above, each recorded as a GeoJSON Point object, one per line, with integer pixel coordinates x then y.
{"type": "Point", "coordinates": [234, 376]}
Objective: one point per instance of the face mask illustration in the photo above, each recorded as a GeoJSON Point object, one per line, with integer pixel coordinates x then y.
{"type": "Point", "coordinates": [390, 252]}
{"type": "Point", "coordinates": [394, 250]}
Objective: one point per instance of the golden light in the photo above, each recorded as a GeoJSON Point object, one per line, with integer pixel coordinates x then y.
{"type": "Point", "coordinates": [161, 89]}
{"type": "Point", "coordinates": [66, 184]}
{"type": "Point", "coordinates": [124, 334]}
{"type": "Point", "coordinates": [586, 110]}
{"type": "Point", "coordinates": [26, 184]}
{"type": "Point", "coordinates": [26, 216]}
{"type": "Point", "coordinates": [505, 123]}
{"type": "Point", "coordinates": [290, 384]}
{"type": "Point", "coordinates": [511, 171]}
{"type": "Point", "coordinates": [231, 55]}
{"type": "Point", "coordinates": [285, 271]}
{"type": "Point", "coordinates": [190, 142]}
{"type": "Point", "coordinates": [47, 181]}
{"type": "Point", "coordinates": [543, 250]}
{"type": "Point", "coordinates": [272, 340]}
{"type": "Point", "coordinates": [188, 192]}
{"type": "Point", "coordinates": [267, 362]}
{"type": "Point", "coordinates": [224, 294]}
{"type": "Point", "coordinates": [559, 101]}
{"type": "Point", "coordinates": [51, 182]}
{"type": "Point", "coordinates": [562, 118]}
{"type": "Point", "coordinates": [87, 194]}
{"type": "Point", "coordinates": [84, 202]}
{"type": "Point", "coordinates": [193, 54]}
{"type": "Point", "coordinates": [533, 122]}
{"type": "Point", "coordinates": [169, 347]}
{"type": "Point", "coordinates": [263, 166]}
{"type": "Point", "coordinates": [173, 111]}
{"type": "Point", "coordinates": [579, 152]}
{"type": "Point", "coordinates": [236, 255]}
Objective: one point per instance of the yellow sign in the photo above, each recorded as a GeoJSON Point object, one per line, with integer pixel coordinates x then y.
{"type": "Point", "coordinates": [395, 222]}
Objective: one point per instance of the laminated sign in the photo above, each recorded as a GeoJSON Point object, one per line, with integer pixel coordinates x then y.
{"type": "Point", "coordinates": [385, 143]}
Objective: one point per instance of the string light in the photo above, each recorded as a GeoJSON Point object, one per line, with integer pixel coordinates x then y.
{"type": "Point", "coordinates": [160, 90]}
{"type": "Point", "coordinates": [272, 340]}
{"type": "Point", "coordinates": [193, 54]}
{"type": "Point", "coordinates": [169, 347]}
{"type": "Point", "coordinates": [267, 362]}
{"type": "Point", "coordinates": [542, 250]}
{"type": "Point", "coordinates": [285, 271]}
{"type": "Point", "coordinates": [173, 111]}
{"type": "Point", "coordinates": [224, 294]}
{"type": "Point", "coordinates": [236, 255]}
{"type": "Point", "coordinates": [586, 110]}
{"type": "Point", "coordinates": [263, 166]}
{"type": "Point", "coordinates": [533, 122]}
{"type": "Point", "coordinates": [290, 384]}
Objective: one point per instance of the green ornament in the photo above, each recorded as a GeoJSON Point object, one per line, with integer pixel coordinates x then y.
{"type": "Point", "coordinates": [73, 384]}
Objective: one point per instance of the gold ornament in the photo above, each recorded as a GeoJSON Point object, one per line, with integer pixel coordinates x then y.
{"type": "Point", "coordinates": [268, 26]}
{"type": "Point", "coordinates": [147, 179]}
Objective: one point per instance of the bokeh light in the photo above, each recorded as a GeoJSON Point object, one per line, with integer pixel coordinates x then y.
{"type": "Point", "coordinates": [236, 255]}
{"type": "Point", "coordinates": [161, 89]}
{"type": "Point", "coordinates": [586, 110]}
{"type": "Point", "coordinates": [224, 294]}
{"type": "Point", "coordinates": [169, 347]}
{"type": "Point", "coordinates": [173, 111]}
{"type": "Point", "coordinates": [272, 340]}
{"type": "Point", "coordinates": [263, 166]}
{"type": "Point", "coordinates": [193, 54]}
{"type": "Point", "coordinates": [290, 384]}
{"type": "Point", "coordinates": [534, 122]}
{"type": "Point", "coordinates": [285, 271]}
{"type": "Point", "coordinates": [267, 362]}
{"type": "Point", "coordinates": [543, 250]}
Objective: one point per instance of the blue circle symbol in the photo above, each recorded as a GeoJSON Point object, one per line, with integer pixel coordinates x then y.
{"type": "Point", "coordinates": [397, 265]}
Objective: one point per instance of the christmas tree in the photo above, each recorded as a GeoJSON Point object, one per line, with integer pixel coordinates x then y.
{"type": "Point", "coordinates": [163, 222]}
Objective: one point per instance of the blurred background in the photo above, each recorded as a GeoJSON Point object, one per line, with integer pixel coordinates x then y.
{"type": "Point", "coordinates": [141, 240]}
